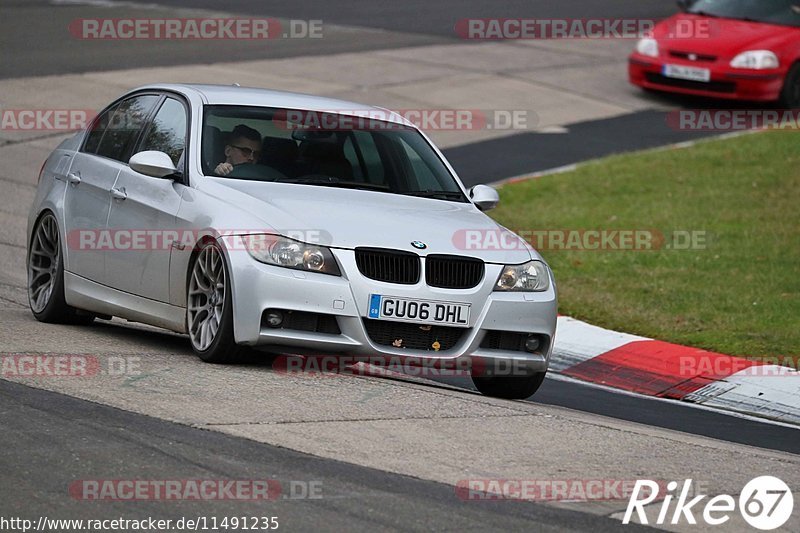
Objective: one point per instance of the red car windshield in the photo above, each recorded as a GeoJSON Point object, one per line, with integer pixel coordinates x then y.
{"type": "Point", "coordinates": [783, 12]}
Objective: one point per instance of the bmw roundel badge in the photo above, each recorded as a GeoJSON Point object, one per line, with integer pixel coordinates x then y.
{"type": "Point", "coordinates": [419, 245]}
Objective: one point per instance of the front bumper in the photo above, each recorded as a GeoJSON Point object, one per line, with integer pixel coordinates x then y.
{"type": "Point", "coordinates": [257, 287]}
{"type": "Point", "coordinates": [726, 82]}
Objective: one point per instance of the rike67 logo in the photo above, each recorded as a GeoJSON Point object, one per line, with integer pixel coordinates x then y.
{"type": "Point", "coordinates": [765, 503]}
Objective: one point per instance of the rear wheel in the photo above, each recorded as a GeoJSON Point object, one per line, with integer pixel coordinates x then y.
{"type": "Point", "coordinates": [509, 387]}
{"type": "Point", "coordinates": [46, 276]}
{"type": "Point", "coordinates": [790, 95]}
{"type": "Point", "coordinates": [209, 309]}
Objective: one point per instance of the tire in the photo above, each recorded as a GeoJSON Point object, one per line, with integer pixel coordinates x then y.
{"type": "Point", "coordinates": [790, 95]}
{"type": "Point", "coordinates": [45, 266]}
{"type": "Point", "coordinates": [509, 387]}
{"type": "Point", "coordinates": [209, 308]}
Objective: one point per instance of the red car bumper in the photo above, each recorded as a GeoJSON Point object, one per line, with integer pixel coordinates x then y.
{"type": "Point", "coordinates": [725, 82]}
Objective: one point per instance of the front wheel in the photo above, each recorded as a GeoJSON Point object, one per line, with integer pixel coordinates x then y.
{"type": "Point", "coordinates": [209, 307]}
{"type": "Point", "coordinates": [509, 387]}
{"type": "Point", "coordinates": [790, 95]}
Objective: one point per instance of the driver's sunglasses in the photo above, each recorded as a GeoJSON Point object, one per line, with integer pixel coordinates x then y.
{"type": "Point", "coordinates": [248, 152]}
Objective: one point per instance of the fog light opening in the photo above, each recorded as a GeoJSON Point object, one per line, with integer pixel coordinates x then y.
{"type": "Point", "coordinates": [532, 344]}
{"type": "Point", "coordinates": [274, 318]}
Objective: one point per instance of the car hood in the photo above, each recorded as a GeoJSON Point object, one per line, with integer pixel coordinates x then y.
{"type": "Point", "coordinates": [725, 38]}
{"type": "Point", "coordinates": [348, 218]}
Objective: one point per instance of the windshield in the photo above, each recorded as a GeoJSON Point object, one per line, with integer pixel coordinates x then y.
{"type": "Point", "coordinates": [784, 12]}
{"type": "Point", "coordinates": [324, 150]}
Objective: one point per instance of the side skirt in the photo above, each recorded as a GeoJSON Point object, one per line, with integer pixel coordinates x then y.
{"type": "Point", "coordinates": [91, 296]}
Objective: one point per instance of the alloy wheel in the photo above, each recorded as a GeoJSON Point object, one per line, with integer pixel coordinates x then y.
{"type": "Point", "coordinates": [206, 297]}
{"type": "Point", "coordinates": [43, 263]}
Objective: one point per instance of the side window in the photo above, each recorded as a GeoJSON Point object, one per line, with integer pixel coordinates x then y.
{"type": "Point", "coordinates": [123, 129]}
{"type": "Point", "coordinates": [168, 132]}
{"type": "Point", "coordinates": [98, 129]}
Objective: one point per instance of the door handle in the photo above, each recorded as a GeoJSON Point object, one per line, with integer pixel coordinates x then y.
{"type": "Point", "coordinates": [119, 194]}
{"type": "Point", "coordinates": [74, 178]}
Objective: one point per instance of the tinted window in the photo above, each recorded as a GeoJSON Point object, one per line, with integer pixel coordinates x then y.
{"type": "Point", "coordinates": [98, 129]}
{"type": "Point", "coordinates": [353, 159]}
{"type": "Point", "coordinates": [361, 151]}
{"type": "Point", "coordinates": [426, 178]}
{"type": "Point", "coordinates": [168, 132]}
{"type": "Point", "coordinates": [123, 129]}
{"type": "Point", "coordinates": [324, 149]}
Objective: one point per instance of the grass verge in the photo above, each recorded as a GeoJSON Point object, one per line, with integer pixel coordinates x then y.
{"type": "Point", "coordinates": [736, 290]}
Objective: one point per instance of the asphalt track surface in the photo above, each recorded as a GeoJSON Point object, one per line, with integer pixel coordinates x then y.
{"type": "Point", "coordinates": [418, 22]}
{"type": "Point", "coordinates": [51, 440]}
{"type": "Point", "coordinates": [27, 52]}
{"type": "Point", "coordinates": [497, 159]}
{"type": "Point", "coordinates": [661, 413]}
{"type": "Point", "coordinates": [436, 18]}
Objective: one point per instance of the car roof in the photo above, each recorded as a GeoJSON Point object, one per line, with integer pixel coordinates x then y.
{"type": "Point", "coordinates": [253, 96]}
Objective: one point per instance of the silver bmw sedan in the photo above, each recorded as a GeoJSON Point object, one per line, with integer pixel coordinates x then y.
{"type": "Point", "coordinates": [289, 223]}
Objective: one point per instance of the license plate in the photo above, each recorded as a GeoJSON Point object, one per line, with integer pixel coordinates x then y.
{"type": "Point", "coordinates": [418, 311]}
{"type": "Point", "coordinates": [683, 72]}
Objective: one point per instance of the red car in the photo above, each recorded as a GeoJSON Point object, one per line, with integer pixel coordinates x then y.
{"type": "Point", "coordinates": [736, 49]}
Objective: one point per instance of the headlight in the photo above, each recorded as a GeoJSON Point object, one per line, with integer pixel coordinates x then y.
{"type": "Point", "coordinates": [647, 47]}
{"type": "Point", "coordinates": [530, 277]}
{"type": "Point", "coordinates": [284, 252]}
{"type": "Point", "coordinates": [756, 59]}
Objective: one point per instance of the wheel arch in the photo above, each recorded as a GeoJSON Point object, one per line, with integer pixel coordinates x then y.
{"type": "Point", "coordinates": [42, 212]}
{"type": "Point", "coordinates": [198, 246]}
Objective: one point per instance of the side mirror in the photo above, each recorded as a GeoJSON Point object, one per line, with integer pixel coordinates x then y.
{"type": "Point", "coordinates": [484, 197]}
{"type": "Point", "coordinates": [153, 163]}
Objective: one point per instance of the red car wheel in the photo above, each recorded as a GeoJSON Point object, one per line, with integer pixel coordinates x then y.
{"type": "Point", "coordinates": [790, 96]}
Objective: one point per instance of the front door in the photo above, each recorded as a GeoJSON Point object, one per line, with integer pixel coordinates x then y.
{"type": "Point", "coordinates": [144, 209]}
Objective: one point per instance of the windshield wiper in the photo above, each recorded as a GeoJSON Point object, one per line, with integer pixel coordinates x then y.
{"type": "Point", "coordinates": [732, 17]}
{"type": "Point", "coordinates": [704, 14]}
{"type": "Point", "coordinates": [312, 180]}
{"type": "Point", "coordinates": [446, 195]}
{"type": "Point", "coordinates": [331, 181]}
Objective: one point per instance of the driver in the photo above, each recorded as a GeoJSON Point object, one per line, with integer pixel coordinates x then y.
{"type": "Point", "coordinates": [243, 146]}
